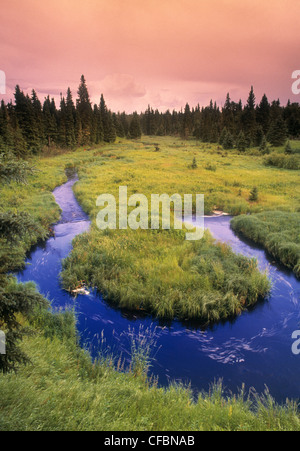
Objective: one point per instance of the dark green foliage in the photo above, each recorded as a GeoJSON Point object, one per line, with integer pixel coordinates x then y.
{"type": "Point", "coordinates": [278, 132]}
{"type": "Point", "coordinates": [263, 114]}
{"type": "Point", "coordinates": [50, 122]}
{"type": "Point", "coordinates": [15, 299]}
{"type": "Point", "coordinates": [228, 142]}
{"type": "Point", "coordinates": [241, 142]}
{"type": "Point", "coordinates": [70, 115]}
{"type": "Point", "coordinates": [254, 195]}
{"type": "Point", "coordinates": [194, 164]}
{"type": "Point", "coordinates": [280, 160]}
{"type": "Point", "coordinates": [26, 127]}
{"type": "Point", "coordinates": [135, 131]}
{"type": "Point", "coordinates": [28, 118]}
{"type": "Point", "coordinates": [223, 136]}
{"type": "Point", "coordinates": [264, 146]}
{"type": "Point", "coordinates": [85, 111]}
{"type": "Point", "coordinates": [288, 149]}
{"type": "Point", "coordinates": [13, 169]}
{"type": "Point", "coordinates": [249, 117]}
{"type": "Point", "coordinates": [109, 131]}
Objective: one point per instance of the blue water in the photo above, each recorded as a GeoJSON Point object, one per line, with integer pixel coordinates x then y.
{"type": "Point", "coordinates": [255, 349]}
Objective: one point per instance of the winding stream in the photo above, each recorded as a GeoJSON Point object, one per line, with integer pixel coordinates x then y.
{"type": "Point", "coordinates": [255, 349]}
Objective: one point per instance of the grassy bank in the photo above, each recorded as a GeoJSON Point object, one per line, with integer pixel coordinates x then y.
{"type": "Point", "coordinates": [162, 274]}
{"type": "Point", "coordinates": [277, 232]}
{"type": "Point", "coordinates": [61, 390]}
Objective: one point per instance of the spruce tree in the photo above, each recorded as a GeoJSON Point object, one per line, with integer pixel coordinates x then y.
{"type": "Point", "coordinates": [109, 131]}
{"type": "Point", "coordinates": [263, 114]}
{"type": "Point", "coordinates": [264, 146]}
{"type": "Point", "coordinates": [254, 195]}
{"type": "Point", "coordinates": [85, 111]}
{"type": "Point", "coordinates": [70, 114]}
{"type": "Point", "coordinates": [288, 148]}
{"type": "Point", "coordinates": [135, 128]}
{"type": "Point", "coordinates": [278, 132]}
{"type": "Point", "coordinates": [26, 117]}
{"type": "Point", "coordinates": [223, 136]}
{"type": "Point", "coordinates": [50, 124]}
{"type": "Point", "coordinates": [228, 142]}
{"type": "Point", "coordinates": [249, 117]}
{"type": "Point", "coordinates": [241, 142]}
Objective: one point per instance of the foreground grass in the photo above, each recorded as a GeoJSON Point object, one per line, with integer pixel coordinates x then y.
{"type": "Point", "coordinates": [61, 390]}
{"type": "Point", "coordinates": [277, 232]}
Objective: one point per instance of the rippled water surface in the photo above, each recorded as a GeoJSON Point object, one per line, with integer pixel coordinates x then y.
{"type": "Point", "coordinates": [255, 349]}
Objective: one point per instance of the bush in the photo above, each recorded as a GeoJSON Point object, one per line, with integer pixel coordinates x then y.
{"type": "Point", "coordinates": [283, 161]}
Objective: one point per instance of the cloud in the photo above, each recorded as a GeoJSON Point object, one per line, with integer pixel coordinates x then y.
{"type": "Point", "coordinates": [132, 51]}
{"type": "Point", "coordinates": [122, 86]}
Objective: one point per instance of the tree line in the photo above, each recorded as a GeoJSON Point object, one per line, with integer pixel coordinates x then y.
{"type": "Point", "coordinates": [27, 125]}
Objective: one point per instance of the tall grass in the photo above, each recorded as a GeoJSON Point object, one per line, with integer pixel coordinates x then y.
{"type": "Point", "coordinates": [63, 390]}
{"type": "Point", "coordinates": [283, 161]}
{"type": "Point", "coordinates": [277, 232]}
{"type": "Point", "coordinates": [162, 274]}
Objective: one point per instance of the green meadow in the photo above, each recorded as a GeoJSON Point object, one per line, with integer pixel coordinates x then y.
{"type": "Point", "coordinates": [157, 272]}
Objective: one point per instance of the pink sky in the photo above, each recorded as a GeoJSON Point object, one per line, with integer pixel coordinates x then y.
{"type": "Point", "coordinates": [162, 52]}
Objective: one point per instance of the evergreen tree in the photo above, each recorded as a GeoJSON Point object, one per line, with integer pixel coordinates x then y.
{"type": "Point", "coordinates": [6, 129]}
{"type": "Point", "coordinates": [263, 111]}
{"type": "Point", "coordinates": [38, 116]}
{"type": "Point", "coordinates": [109, 131]}
{"type": "Point", "coordinates": [259, 135]}
{"type": "Point", "coordinates": [85, 111]}
{"type": "Point", "coordinates": [97, 129]}
{"type": "Point", "coordinates": [228, 142]}
{"type": "Point", "coordinates": [241, 143]}
{"type": "Point", "coordinates": [194, 164]}
{"type": "Point", "coordinates": [249, 117]}
{"type": "Point", "coordinates": [62, 123]}
{"type": "Point", "coordinates": [228, 115]}
{"type": "Point", "coordinates": [186, 127]}
{"type": "Point", "coordinates": [288, 148]}
{"type": "Point", "coordinates": [70, 115]}
{"type": "Point", "coordinates": [223, 136]}
{"type": "Point", "coordinates": [254, 195]}
{"type": "Point", "coordinates": [264, 146]}
{"type": "Point", "coordinates": [135, 128]}
{"type": "Point", "coordinates": [50, 124]}
{"type": "Point", "coordinates": [26, 118]}
{"type": "Point", "coordinates": [278, 132]}
{"type": "Point", "coordinates": [118, 125]}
